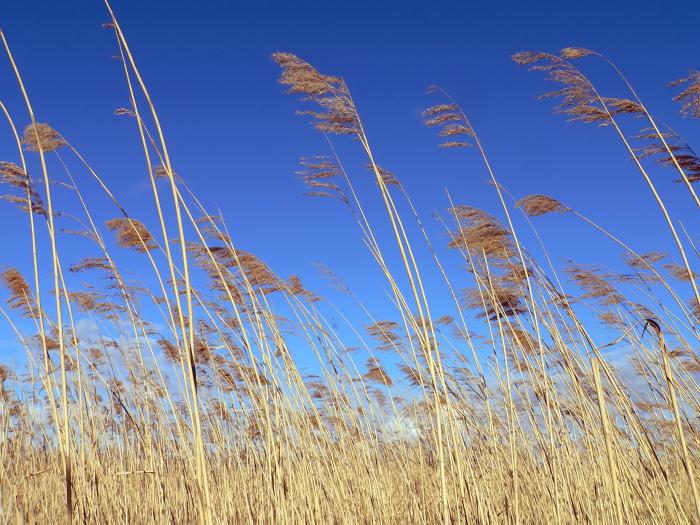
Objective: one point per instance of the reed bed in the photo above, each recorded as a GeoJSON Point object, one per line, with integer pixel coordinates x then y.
{"type": "Point", "coordinates": [538, 393]}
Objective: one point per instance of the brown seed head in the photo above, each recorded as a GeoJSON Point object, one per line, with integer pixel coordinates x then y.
{"type": "Point", "coordinates": [21, 297]}
{"type": "Point", "coordinates": [683, 154]}
{"type": "Point", "coordinates": [14, 176]}
{"type": "Point", "coordinates": [318, 175]}
{"type": "Point", "coordinates": [296, 287]}
{"type": "Point", "coordinates": [680, 272]}
{"type": "Point", "coordinates": [445, 320]}
{"type": "Point", "coordinates": [481, 233]}
{"type": "Point", "coordinates": [172, 352]}
{"type": "Point", "coordinates": [91, 263]}
{"type": "Point", "coordinates": [573, 53]}
{"type": "Point", "coordinates": [689, 97]}
{"type": "Point", "coordinates": [536, 205]}
{"type": "Point", "coordinates": [388, 178]}
{"type": "Point", "coordinates": [501, 300]}
{"type": "Point", "coordinates": [594, 284]}
{"type": "Point", "coordinates": [132, 234]}
{"type": "Point", "coordinates": [42, 137]}
{"type": "Point", "coordinates": [450, 121]}
{"type": "Point", "coordinates": [385, 333]}
{"type": "Point", "coordinates": [376, 373]}
{"type": "Point", "coordinates": [338, 114]}
{"type": "Point", "coordinates": [577, 97]}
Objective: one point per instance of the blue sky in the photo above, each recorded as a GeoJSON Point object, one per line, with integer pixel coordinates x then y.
{"type": "Point", "coordinates": [234, 137]}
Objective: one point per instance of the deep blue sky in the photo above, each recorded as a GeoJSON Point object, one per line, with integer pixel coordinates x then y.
{"type": "Point", "coordinates": [234, 136]}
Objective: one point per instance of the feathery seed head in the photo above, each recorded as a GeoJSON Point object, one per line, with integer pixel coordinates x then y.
{"type": "Point", "coordinates": [645, 260]}
{"type": "Point", "coordinates": [573, 53]}
{"type": "Point", "coordinates": [388, 177]}
{"type": "Point", "coordinates": [481, 233]}
{"type": "Point", "coordinates": [318, 175]}
{"type": "Point", "coordinates": [450, 120]}
{"type": "Point", "coordinates": [536, 205]}
{"type": "Point", "coordinates": [376, 373]}
{"type": "Point", "coordinates": [680, 272]}
{"type": "Point", "coordinates": [42, 137]}
{"type": "Point", "coordinates": [21, 297]}
{"type": "Point", "coordinates": [577, 97]}
{"type": "Point", "coordinates": [689, 97]}
{"type": "Point", "coordinates": [132, 234]}
{"type": "Point", "coordinates": [338, 113]}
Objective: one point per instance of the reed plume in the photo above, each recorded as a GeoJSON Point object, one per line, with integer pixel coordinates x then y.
{"type": "Point", "coordinates": [536, 205]}
{"type": "Point", "coordinates": [132, 234]}
{"type": "Point", "coordinates": [689, 97]}
{"type": "Point", "coordinates": [337, 112]}
{"type": "Point", "coordinates": [42, 137]}
{"type": "Point", "coordinates": [21, 296]}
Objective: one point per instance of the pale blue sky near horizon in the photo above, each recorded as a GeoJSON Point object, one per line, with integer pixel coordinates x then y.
{"type": "Point", "coordinates": [234, 137]}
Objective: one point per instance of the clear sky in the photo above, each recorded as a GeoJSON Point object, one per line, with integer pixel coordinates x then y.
{"type": "Point", "coordinates": [234, 136]}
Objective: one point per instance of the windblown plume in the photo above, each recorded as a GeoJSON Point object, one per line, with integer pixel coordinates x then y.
{"type": "Point", "coordinates": [161, 172]}
{"type": "Point", "coordinates": [680, 272]}
{"type": "Point", "coordinates": [388, 178]}
{"type": "Point", "coordinates": [578, 99]}
{"type": "Point", "coordinates": [296, 287]}
{"type": "Point", "coordinates": [91, 263]}
{"type": "Point", "coordinates": [42, 137]}
{"type": "Point", "coordinates": [644, 260]}
{"type": "Point", "coordinates": [21, 297]}
{"type": "Point", "coordinates": [451, 122]}
{"type": "Point", "coordinates": [172, 352]}
{"type": "Point", "coordinates": [132, 234]}
{"type": "Point", "coordinates": [499, 301]}
{"type": "Point", "coordinates": [337, 112]}
{"type": "Point", "coordinates": [536, 205]}
{"type": "Point", "coordinates": [14, 176]}
{"type": "Point", "coordinates": [385, 333]}
{"type": "Point", "coordinates": [332, 278]}
{"type": "Point", "coordinates": [689, 97]}
{"type": "Point", "coordinates": [413, 375]}
{"type": "Point", "coordinates": [87, 302]}
{"type": "Point", "coordinates": [682, 152]}
{"type": "Point", "coordinates": [445, 320]}
{"type": "Point", "coordinates": [257, 272]}
{"type": "Point", "coordinates": [318, 175]}
{"type": "Point", "coordinates": [524, 340]}
{"type": "Point", "coordinates": [574, 53]}
{"type": "Point", "coordinates": [480, 232]}
{"type": "Point", "coordinates": [594, 284]}
{"type": "Point", "coordinates": [376, 373]}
